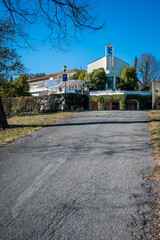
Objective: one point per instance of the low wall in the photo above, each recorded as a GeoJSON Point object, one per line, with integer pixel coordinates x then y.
{"type": "Point", "coordinates": [122, 99]}
{"type": "Point", "coordinates": [51, 103]}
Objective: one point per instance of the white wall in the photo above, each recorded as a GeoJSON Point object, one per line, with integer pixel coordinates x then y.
{"type": "Point", "coordinates": [106, 63]}
{"type": "Point", "coordinates": [100, 63]}
{"type": "Point", "coordinates": [118, 66]}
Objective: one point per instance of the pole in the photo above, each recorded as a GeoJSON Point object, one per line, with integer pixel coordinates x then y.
{"type": "Point", "coordinates": [64, 70]}
{"type": "Point", "coordinates": [65, 87]}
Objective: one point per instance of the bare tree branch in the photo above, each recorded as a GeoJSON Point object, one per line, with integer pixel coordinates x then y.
{"type": "Point", "coordinates": [65, 18]}
{"type": "Point", "coordinates": [148, 68]}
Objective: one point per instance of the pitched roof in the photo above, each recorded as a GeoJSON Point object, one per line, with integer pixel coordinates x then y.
{"type": "Point", "coordinates": [104, 57]}
{"type": "Point", "coordinates": [52, 75]}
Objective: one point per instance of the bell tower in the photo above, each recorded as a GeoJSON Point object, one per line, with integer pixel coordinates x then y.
{"type": "Point", "coordinates": [110, 55]}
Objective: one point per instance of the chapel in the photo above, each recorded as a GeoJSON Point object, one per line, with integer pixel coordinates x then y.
{"type": "Point", "coordinates": [112, 67]}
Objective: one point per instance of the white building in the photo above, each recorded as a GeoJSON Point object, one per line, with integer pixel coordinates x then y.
{"type": "Point", "coordinates": [70, 86]}
{"type": "Point", "coordinates": [112, 67]}
{"type": "Point", "coordinates": [53, 83]}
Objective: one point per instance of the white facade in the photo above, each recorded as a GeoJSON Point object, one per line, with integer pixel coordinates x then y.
{"type": "Point", "coordinates": [38, 88]}
{"type": "Point", "coordinates": [112, 66]}
{"type": "Point", "coordinates": [54, 86]}
{"type": "Point", "coordinates": [70, 86]}
{"type": "Point", "coordinates": [44, 85]}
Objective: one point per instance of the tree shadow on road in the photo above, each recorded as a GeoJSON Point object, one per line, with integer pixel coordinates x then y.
{"type": "Point", "coordinates": [83, 123]}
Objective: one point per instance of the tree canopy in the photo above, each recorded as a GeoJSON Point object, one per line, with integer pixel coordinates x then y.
{"type": "Point", "coordinates": [79, 75]}
{"type": "Point", "coordinates": [17, 88]}
{"type": "Point", "coordinates": [10, 63]}
{"type": "Point", "coordinates": [21, 86]}
{"type": "Point", "coordinates": [128, 79]}
{"type": "Point", "coordinates": [96, 79]}
{"type": "Point", "coordinates": [36, 75]}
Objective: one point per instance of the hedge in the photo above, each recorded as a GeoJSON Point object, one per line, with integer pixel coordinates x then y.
{"type": "Point", "coordinates": [51, 103]}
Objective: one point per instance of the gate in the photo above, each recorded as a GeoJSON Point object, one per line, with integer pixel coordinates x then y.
{"type": "Point", "coordinates": [93, 105]}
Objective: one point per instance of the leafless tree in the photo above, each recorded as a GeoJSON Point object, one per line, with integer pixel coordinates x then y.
{"type": "Point", "coordinates": [148, 68]}
{"type": "Point", "coordinates": [65, 18]}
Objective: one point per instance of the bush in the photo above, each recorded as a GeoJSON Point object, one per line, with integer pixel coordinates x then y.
{"type": "Point", "coordinates": [51, 103]}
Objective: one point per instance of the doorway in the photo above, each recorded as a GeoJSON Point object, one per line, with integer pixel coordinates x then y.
{"type": "Point", "coordinates": [93, 105]}
{"type": "Point", "coordinates": [112, 105]}
{"type": "Point", "coordinates": [133, 105]}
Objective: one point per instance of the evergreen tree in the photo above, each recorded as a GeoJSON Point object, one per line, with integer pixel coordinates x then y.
{"type": "Point", "coordinates": [135, 63]}
{"type": "Point", "coordinates": [96, 79]}
{"type": "Point", "coordinates": [128, 79]}
{"type": "Point", "coordinates": [21, 86]}
{"type": "Point", "coordinates": [79, 75]}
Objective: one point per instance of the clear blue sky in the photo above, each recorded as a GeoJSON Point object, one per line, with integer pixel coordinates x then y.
{"type": "Point", "coordinates": [132, 25]}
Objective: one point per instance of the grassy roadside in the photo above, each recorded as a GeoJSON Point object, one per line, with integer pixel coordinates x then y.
{"type": "Point", "coordinates": [25, 124]}
{"type": "Point", "coordinates": [154, 127]}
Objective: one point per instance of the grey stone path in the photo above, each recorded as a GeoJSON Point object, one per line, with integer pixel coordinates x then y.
{"type": "Point", "coordinates": [85, 178]}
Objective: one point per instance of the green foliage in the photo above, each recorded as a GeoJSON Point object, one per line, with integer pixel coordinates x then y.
{"type": "Point", "coordinates": [96, 79]}
{"type": "Point", "coordinates": [119, 83]}
{"type": "Point", "coordinates": [20, 105]}
{"type": "Point", "coordinates": [17, 88]}
{"type": "Point", "coordinates": [135, 63]}
{"type": "Point", "coordinates": [128, 79]}
{"type": "Point", "coordinates": [37, 75]}
{"type": "Point", "coordinates": [141, 99]}
{"type": "Point", "coordinates": [7, 90]}
{"type": "Point", "coordinates": [51, 103]}
{"type": "Point", "coordinates": [9, 63]}
{"type": "Point", "coordinates": [21, 86]}
{"type": "Point", "coordinates": [79, 75]}
{"type": "Point", "coordinates": [145, 88]}
{"type": "Point", "coordinates": [102, 100]}
{"type": "Point", "coordinates": [123, 100]}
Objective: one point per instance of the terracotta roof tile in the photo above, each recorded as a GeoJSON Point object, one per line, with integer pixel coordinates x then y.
{"type": "Point", "coordinates": [51, 75]}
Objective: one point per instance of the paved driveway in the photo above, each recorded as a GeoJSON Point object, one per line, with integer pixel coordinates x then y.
{"type": "Point", "coordinates": [86, 178]}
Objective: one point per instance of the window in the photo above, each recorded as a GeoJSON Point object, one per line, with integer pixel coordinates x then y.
{"type": "Point", "coordinates": [109, 51]}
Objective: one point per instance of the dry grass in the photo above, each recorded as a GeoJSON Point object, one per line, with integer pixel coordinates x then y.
{"type": "Point", "coordinates": [154, 127]}
{"type": "Point", "coordinates": [24, 125]}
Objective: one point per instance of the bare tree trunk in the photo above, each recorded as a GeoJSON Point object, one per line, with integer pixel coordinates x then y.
{"type": "Point", "coordinates": [3, 120]}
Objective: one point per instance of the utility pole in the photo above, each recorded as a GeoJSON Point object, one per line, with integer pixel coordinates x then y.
{"type": "Point", "coordinates": [64, 77]}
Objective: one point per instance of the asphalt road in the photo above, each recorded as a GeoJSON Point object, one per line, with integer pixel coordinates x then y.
{"type": "Point", "coordinates": [86, 178]}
